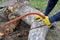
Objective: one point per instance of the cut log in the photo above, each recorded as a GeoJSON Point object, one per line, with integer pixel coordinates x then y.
{"type": "Point", "coordinates": [38, 31]}
{"type": "Point", "coordinates": [35, 33]}
{"type": "Point", "coordinates": [7, 3]}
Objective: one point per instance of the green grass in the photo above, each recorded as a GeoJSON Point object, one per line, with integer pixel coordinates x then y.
{"type": "Point", "coordinates": [0, 0]}
{"type": "Point", "coordinates": [41, 5]}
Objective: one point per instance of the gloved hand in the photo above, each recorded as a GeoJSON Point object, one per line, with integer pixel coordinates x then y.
{"type": "Point", "coordinates": [45, 20]}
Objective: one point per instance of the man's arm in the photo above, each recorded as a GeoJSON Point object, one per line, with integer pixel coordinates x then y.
{"type": "Point", "coordinates": [50, 6]}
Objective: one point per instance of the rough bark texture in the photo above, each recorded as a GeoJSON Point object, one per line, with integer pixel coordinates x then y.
{"type": "Point", "coordinates": [7, 3]}
{"type": "Point", "coordinates": [36, 32]}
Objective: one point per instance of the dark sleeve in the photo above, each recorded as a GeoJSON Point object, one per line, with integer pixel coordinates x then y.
{"type": "Point", "coordinates": [55, 17]}
{"type": "Point", "coordinates": [50, 6]}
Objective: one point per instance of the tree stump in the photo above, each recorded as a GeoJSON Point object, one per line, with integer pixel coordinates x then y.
{"type": "Point", "coordinates": [35, 32]}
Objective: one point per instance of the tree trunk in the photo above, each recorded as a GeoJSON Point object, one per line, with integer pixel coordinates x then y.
{"type": "Point", "coordinates": [10, 2]}
{"type": "Point", "coordinates": [37, 32]}
{"type": "Point", "coordinates": [7, 3]}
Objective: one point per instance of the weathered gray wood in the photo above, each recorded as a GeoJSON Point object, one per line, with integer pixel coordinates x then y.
{"type": "Point", "coordinates": [37, 33]}
{"type": "Point", "coordinates": [10, 2]}
{"type": "Point", "coordinates": [7, 3]}
{"type": "Point", "coordinates": [26, 9]}
{"type": "Point", "coordinates": [34, 34]}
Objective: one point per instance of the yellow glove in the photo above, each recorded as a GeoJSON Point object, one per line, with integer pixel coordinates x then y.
{"type": "Point", "coordinates": [45, 20]}
{"type": "Point", "coordinates": [38, 18]}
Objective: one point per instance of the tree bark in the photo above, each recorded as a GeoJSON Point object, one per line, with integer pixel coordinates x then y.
{"type": "Point", "coordinates": [7, 3]}
{"type": "Point", "coordinates": [37, 32]}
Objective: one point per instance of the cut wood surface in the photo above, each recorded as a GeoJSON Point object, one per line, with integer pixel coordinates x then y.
{"type": "Point", "coordinates": [36, 31]}
{"type": "Point", "coordinates": [34, 34]}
